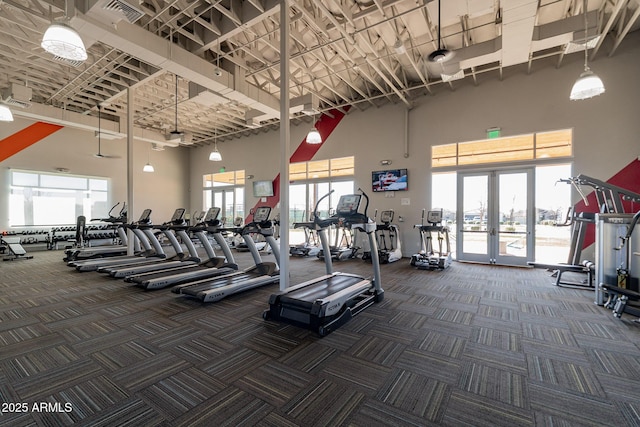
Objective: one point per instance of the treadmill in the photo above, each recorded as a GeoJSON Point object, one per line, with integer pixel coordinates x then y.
{"type": "Point", "coordinates": [144, 232]}
{"type": "Point", "coordinates": [104, 250]}
{"type": "Point", "coordinates": [212, 267]}
{"type": "Point", "coordinates": [178, 225]}
{"type": "Point", "coordinates": [325, 303]}
{"type": "Point", "coordinates": [262, 273]}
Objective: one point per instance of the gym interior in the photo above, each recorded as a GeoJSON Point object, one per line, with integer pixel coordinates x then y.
{"type": "Point", "coordinates": [480, 229]}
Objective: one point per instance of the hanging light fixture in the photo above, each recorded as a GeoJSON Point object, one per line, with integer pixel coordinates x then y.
{"type": "Point", "coordinates": [63, 41]}
{"type": "Point", "coordinates": [5, 114]}
{"type": "Point", "coordinates": [148, 167]}
{"type": "Point", "coordinates": [215, 155]}
{"type": "Point", "coordinates": [313, 137]}
{"type": "Point", "coordinates": [588, 84]}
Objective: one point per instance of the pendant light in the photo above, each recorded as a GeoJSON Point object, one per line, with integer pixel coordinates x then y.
{"type": "Point", "coordinates": [148, 167]}
{"type": "Point", "coordinates": [313, 137]}
{"type": "Point", "coordinates": [63, 41]}
{"type": "Point", "coordinates": [588, 84]}
{"type": "Point", "coordinates": [215, 155]}
{"type": "Point", "coordinates": [5, 114]}
{"type": "Point", "coordinates": [440, 55]}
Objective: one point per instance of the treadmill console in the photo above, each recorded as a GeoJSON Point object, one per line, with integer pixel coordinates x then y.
{"type": "Point", "coordinates": [212, 214]}
{"type": "Point", "coordinates": [386, 217]}
{"type": "Point", "coordinates": [348, 205]}
{"type": "Point", "coordinates": [434, 217]}
{"type": "Point", "coordinates": [261, 214]}
{"type": "Point", "coordinates": [145, 216]}
{"type": "Point", "coordinates": [177, 215]}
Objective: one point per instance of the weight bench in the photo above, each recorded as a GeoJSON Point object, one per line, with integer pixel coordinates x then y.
{"type": "Point", "coordinates": [16, 251]}
{"type": "Point", "coordinates": [587, 267]}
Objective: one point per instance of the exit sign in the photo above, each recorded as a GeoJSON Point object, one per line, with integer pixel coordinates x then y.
{"type": "Point", "coordinates": [493, 133]}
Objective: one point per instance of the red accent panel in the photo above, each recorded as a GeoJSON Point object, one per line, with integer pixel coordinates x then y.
{"type": "Point", "coordinates": [628, 178]}
{"type": "Point", "coordinates": [26, 137]}
{"type": "Point", "coordinates": [305, 152]}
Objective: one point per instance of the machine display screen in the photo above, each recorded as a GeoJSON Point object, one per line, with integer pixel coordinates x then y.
{"type": "Point", "coordinates": [261, 214]}
{"type": "Point", "coordinates": [348, 205]}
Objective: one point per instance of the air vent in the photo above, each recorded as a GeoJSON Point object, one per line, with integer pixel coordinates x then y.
{"type": "Point", "coordinates": [130, 12]}
{"type": "Point", "coordinates": [17, 96]}
{"type": "Point", "coordinates": [71, 62]}
{"type": "Point", "coordinates": [578, 45]}
{"type": "Point", "coordinates": [451, 77]}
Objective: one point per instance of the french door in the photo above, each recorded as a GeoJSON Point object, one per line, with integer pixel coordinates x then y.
{"type": "Point", "coordinates": [495, 217]}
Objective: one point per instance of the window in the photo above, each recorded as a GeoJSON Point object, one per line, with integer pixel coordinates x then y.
{"type": "Point", "coordinates": [46, 199]}
{"type": "Point", "coordinates": [225, 190]}
{"type": "Point", "coordinates": [541, 145]}
{"type": "Point", "coordinates": [321, 169]}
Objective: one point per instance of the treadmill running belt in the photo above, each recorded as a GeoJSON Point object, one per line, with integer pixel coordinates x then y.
{"type": "Point", "coordinates": [322, 289]}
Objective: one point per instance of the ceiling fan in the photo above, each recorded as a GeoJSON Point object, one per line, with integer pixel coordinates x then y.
{"type": "Point", "coordinates": [440, 55]}
{"type": "Point", "coordinates": [99, 153]}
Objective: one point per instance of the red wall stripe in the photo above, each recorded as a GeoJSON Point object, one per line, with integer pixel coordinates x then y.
{"type": "Point", "coordinates": [305, 152]}
{"type": "Point", "coordinates": [629, 179]}
{"type": "Point", "coordinates": [26, 137]}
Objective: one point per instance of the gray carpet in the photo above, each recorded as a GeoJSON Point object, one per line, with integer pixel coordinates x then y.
{"type": "Point", "coordinates": [470, 346]}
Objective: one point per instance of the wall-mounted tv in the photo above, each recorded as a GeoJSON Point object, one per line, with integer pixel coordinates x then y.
{"type": "Point", "coordinates": [262, 188]}
{"type": "Point", "coordinates": [389, 180]}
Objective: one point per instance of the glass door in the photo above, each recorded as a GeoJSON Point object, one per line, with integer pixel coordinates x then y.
{"type": "Point", "coordinates": [495, 217]}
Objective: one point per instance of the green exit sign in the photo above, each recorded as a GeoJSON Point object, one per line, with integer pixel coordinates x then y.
{"type": "Point", "coordinates": [493, 133]}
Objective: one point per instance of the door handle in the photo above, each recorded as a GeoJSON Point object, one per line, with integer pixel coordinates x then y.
{"type": "Point", "coordinates": [492, 232]}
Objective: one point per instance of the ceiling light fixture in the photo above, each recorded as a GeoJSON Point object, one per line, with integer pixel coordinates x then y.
{"type": "Point", "coordinates": [588, 84]}
{"type": "Point", "coordinates": [440, 55]}
{"type": "Point", "coordinates": [148, 167]}
{"type": "Point", "coordinates": [314, 137]}
{"type": "Point", "coordinates": [215, 155]}
{"type": "Point", "coordinates": [399, 47]}
{"type": "Point", "coordinates": [63, 41]}
{"type": "Point", "coordinates": [5, 114]}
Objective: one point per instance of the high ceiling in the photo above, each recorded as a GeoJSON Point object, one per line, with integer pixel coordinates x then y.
{"type": "Point", "coordinates": [226, 55]}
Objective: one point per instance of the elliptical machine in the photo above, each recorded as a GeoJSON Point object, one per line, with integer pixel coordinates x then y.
{"type": "Point", "coordinates": [389, 243]}
{"type": "Point", "coordinates": [429, 258]}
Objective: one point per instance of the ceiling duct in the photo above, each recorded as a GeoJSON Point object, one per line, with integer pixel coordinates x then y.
{"type": "Point", "coordinates": [116, 10]}
{"type": "Point", "coordinates": [17, 96]}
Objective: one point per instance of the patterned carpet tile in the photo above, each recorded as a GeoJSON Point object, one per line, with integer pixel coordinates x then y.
{"type": "Point", "coordinates": [310, 358]}
{"type": "Point", "coordinates": [430, 365]}
{"type": "Point", "coordinates": [495, 384]}
{"type": "Point", "coordinates": [139, 375]}
{"type": "Point", "coordinates": [22, 334]}
{"type": "Point", "coordinates": [445, 345]}
{"type": "Point", "coordinates": [503, 340]}
{"type": "Point", "coordinates": [506, 313]}
{"type": "Point", "coordinates": [131, 412]}
{"type": "Point", "coordinates": [568, 375]}
{"type": "Point", "coordinates": [323, 403]}
{"type": "Point", "coordinates": [179, 393]}
{"type": "Point", "coordinates": [102, 342]}
{"type": "Point", "coordinates": [274, 383]}
{"type": "Point", "coordinates": [121, 355]}
{"type": "Point", "coordinates": [231, 407]}
{"type": "Point", "coordinates": [56, 379]}
{"type": "Point", "coordinates": [201, 348]}
{"type": "Point", "coordinates": [415, 394]}
{"type": "Point", "coordinates": [468, 409]}
{"type": "Point", "coordinates": [559, 336]}
{"type": "Point", "coordinates": [581, 409]}
{"type": "Point", "coordinates": [234, 364]}
{"type": "Point", "coordinates": [600, 329]}
{"type": "Point", "coordinates": [361, 375]}
{"type": "Point", "coordinates": [270, 343]}
{"type": "Point", "coordinates": [39, 361]}
{"type": "Point", "coordinates": [620, 388]}
{"type": "Point", "coordinates": [512, 361]}
{"type": "Point", "coordinates": [377, 350]}
{"type": "Point", "coordinates": [625, 365]}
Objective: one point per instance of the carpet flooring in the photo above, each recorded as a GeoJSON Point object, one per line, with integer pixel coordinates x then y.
{"type": "Point", "coordinates": [473, 345]}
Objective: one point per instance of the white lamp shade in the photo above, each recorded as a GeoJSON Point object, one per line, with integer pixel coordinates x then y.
{"type": "Point", "coordinates": [587, 86]}
{"type": "Point", "coordinates": [215, 156]}
{"type": "Point", "coordinates": [148, 168]}
{"type": "Point", "coordinates": [5, 114]}
{"type": "Point", "coordinates": [63, 41]}
{"type": "Point", "coordinates": [313, 137]}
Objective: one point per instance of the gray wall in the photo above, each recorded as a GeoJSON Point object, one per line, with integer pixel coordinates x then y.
{"type": "Point", "coordinates": [606, 128]}
{"type": "Point", "coordinates": [162, 191]}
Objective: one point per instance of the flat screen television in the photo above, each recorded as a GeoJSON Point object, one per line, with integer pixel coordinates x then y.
{"type": "Point", "coordinates": [389, 180]}
{"type": "Point", "coordinates": [262, 188]}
